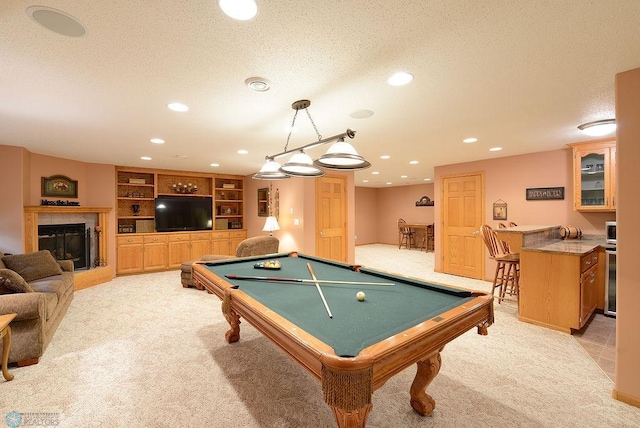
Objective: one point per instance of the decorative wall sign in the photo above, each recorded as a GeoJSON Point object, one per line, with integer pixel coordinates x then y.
{"type": "Point", "coordinates": [424, 202]}
{"type": "Point", "coordinates": [59, 185]}
{"type": "Point", "coordinates": [545, 193]}
{"type": "Point", "coordinates": [499, 210]}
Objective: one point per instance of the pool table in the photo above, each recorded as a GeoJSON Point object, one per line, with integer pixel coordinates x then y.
{"type": "Point", "coordinates": [364, 343]}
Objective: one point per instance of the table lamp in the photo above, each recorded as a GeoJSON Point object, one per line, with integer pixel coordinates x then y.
{"type": "Point", "coordinates": [270, 225]}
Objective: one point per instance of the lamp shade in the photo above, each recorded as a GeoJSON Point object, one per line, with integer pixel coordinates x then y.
{"type": "Point", "coordinates": [342, 155]}
{"type": "Point", "coordinates": [270, 171]}
{"type": "Point", "coordinates": [301, 165]}
{"type": "Point", "coordinates": [271, 224]}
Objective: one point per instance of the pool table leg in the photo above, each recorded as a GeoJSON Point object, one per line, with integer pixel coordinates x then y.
{"type": "Point", "coordinates": [233, 335]}
{"type": "Point", "coordinates": [428, 368]}
{"type": "Point", "coordinates": [353, 418]}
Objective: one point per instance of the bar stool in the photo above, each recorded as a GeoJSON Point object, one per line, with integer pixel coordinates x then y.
{"type": "Point", "coordinates": [507, 277]}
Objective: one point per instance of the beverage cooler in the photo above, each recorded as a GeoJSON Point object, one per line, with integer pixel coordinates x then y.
{"type": "Point", "coordinates": [610, 283]}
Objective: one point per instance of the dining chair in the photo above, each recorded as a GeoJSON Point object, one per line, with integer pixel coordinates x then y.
{"type": "Point", "coordinates": [507, 276]}
{"type": "Point", "coordinates": [406, 235]}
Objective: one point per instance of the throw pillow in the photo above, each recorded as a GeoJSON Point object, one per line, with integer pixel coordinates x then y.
{"type": "Point", "coordinates": [14, 282]}
{"type": "Point", "coordinates": [32, 266]}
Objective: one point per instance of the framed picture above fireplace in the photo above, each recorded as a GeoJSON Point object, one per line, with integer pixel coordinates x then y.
{"type": "Point", "coordinates": [60, 186]}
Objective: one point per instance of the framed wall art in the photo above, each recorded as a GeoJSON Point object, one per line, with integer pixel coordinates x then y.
{"type": "Point", "coordinates": [499, 210]}
{"type": "Point", "coordinates": [545, 193]}
{"type": "Point", "coordinates": [59, 186]}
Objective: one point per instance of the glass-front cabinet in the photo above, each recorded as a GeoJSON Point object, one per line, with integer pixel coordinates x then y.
{"type": "Point", "coordinates": [594, 176]}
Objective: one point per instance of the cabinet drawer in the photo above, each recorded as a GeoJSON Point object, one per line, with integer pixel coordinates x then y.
{"type": "Point", "coordinates": [179, 237]}
{"type": "Point", "coordinates": [121, 240]}
{"type": "Point", "coordinates": [238, 234]}
{"type": "Point", "coordinates": [200, 236]}
{"type": "Point", "coordinates": [152, 239]}
{"type": "Point", "coordinates": [219, 235]}
{"type": "Point", "coordinates": [589, 260]}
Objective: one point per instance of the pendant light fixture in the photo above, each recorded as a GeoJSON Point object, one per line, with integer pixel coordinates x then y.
{"type": "Point", "coordinates": [340, 156]}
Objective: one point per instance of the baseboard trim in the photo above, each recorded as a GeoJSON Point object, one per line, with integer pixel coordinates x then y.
{"type": "Point", "coordinates": [626, 398]}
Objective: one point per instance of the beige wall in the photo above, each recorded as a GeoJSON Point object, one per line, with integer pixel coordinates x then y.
{"type": "Point", "coordinates": [381, 208]}
{"type": "Point", "coordinates": [14, 171]}
{"type": "Point", "coordinates": [627, 384]}
{"type": "Point", "coordinates": [366, 215]}
{"type": "Point", "coordinates": [507, 178]}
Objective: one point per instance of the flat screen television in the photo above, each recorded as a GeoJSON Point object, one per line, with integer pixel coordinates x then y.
{"type": "Point", "coordinates": [175, 213]}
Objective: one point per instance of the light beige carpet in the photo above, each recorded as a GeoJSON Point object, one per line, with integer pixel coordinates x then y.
{"type": "Point", "coordinates": [141, 351]}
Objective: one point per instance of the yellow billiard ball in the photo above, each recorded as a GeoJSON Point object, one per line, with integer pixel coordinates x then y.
{"type": "Point", "coordinates": [360, 295]}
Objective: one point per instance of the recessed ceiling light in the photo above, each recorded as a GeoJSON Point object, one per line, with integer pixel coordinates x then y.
{"type": "Point", "coordinates": [365, 181]}
{"type": "Point", "coordinates": [388, 182]}
{"type": "Point", "coordinates": [242, 10]}
{"type": "Point", "coordinates": [177, 107]}
{"type": "Point", "coordinates": [414, 162]}
{"type": "Point", "coordinates": [400, 78]}
{"type": "Point", "coordinates": [181, 156]}
{"type": "Point", "coordinates": [470, 140]}
{"type": "Point", "coordinates": [258, 84]}
{"type": "Point", "coordinates": [427, 179]}
{"type": "Point", "coordinates": [385, 157]}
{"type": "Point", "coordinates": [375, 173]}
{"type": "Point", "coordinates": [157, 141]}
{"type": "Point", "coordinates": [147, 158]}
{"type": "Point", "coordinates": [403, 176]}
{"type": "Point", "coordinates": [57, 21]}
{"type": "Point", "coordinates": [242, 152]}
{"type": "Point", "coordinates": [361, 114]}
{"type": "Point", "coordinates": [214, 164]}
{"type": "Point", "coordinates": [495, 149]}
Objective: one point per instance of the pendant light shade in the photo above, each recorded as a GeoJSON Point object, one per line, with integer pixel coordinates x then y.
{"type": "Point", "coordinates": [270, 171]}
{"type": "Point", "coordinates": [342, 155]}
{"type": "Point", "coordinates": [301, 165]}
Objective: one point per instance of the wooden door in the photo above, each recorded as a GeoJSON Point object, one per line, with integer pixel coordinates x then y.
{"type": "Point", "coordinates": [331, 218]}
{"type": "Point", "coordinates": [462, 216]}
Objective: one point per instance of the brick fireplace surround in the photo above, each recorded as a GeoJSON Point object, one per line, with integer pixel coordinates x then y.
{"type": "Point", "coordinates": [83, 279]}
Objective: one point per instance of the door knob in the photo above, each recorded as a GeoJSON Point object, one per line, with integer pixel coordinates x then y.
{"type": "Point", "coordinates": [477, 232]}
{"type": "Point", "coordinates": [322, 234]}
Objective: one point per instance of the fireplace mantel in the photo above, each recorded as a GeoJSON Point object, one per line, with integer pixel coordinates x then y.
{"type": "Point", "coordinates": [83, 279]}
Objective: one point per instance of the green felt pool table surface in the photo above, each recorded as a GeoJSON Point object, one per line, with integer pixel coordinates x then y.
{"type": "Point", "coordinates": [355, 325]}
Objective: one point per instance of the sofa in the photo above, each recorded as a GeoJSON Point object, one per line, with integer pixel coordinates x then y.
{"type": "Point", "coordinates": [39, 289]}
{"type": "Point", "coordinates": [255, 246]}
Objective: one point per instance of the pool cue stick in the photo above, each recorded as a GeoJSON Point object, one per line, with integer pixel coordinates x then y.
{"type": "Point", "coordinates": [313, 275]}
{"type": "Point", "coordinates": [326, 281]}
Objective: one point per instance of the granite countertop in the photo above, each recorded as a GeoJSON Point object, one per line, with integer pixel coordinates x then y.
{"type": "Point", "coordinates": [578, 247]}
{"type": "Point", "coordinates": [526, 229]}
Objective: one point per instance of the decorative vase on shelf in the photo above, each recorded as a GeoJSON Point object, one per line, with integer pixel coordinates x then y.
{"type": "Point", "coordinates": [135, 208]}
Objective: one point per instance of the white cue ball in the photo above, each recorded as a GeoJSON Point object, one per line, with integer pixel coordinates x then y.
{"type": "Point", "coordinates": [360, 295]}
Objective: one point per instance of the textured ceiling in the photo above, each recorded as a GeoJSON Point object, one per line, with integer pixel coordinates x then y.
{"type": "Point", "coordinates": [516, 74]}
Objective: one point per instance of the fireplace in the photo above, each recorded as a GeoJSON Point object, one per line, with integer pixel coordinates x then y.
{"type": "Point", "coordinates": [67, 242]}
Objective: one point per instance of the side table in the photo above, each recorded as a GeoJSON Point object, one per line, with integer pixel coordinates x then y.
{"type": "Point", "coordinates": [5, 334]}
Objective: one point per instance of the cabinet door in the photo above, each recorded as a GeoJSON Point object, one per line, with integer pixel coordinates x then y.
{"type": "Point", "coordinates": [199, 248]}
{"type": "Point", "coordinates": [178, 250]}
{"type": "Point", "coordinates": [594, 176]}
{"type": "Point", "coordinates": [588, 293]}
{"type": "Point", "coordinates": [155, 253]}
{"type": "Point", "coordinates": [129, 258]}
{"type": "Point", "coordinates": [220, 246]}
